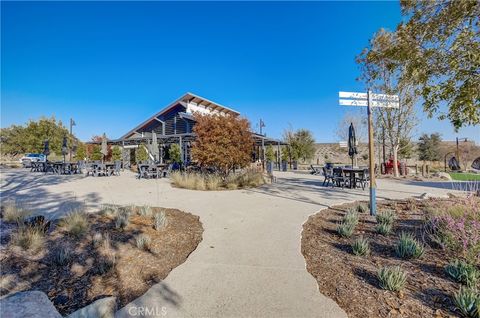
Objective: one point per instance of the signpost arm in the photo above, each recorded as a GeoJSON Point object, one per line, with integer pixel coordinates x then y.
{"type": "Point", "coordinates": [371, 155]}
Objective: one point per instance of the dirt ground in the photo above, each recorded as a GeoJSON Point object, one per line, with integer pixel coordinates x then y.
{"type": "Point", "coordinates": [351, 280]}
{"type": "Point", "coordinates": [79, 283]}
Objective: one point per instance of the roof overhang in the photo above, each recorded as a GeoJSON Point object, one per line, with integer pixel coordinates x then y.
{"type": "Point", "coordinates": [185, 100]}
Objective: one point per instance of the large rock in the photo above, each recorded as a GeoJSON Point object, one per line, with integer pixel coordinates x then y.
{"type": "Point", "coordinates": [443, 175]}
{"type": "Point", "coordinates": [30, 304]}
{"type": "Point", "coordinates": [102, 308]}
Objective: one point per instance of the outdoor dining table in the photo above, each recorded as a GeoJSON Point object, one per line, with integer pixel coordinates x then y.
{"type": "Point", "coordinates": [352, 171]}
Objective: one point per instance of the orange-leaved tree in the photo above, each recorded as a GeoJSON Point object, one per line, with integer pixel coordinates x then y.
{"type": "Point", "coordinates": [223, 142]}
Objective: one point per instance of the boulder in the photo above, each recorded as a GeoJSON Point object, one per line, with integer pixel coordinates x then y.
{"type": "Point", "coordinates": [443, 175]}
{"type": "Point", "coordinates": [101, 308]}
{"type": "Point", "coordinates": [28, 304]}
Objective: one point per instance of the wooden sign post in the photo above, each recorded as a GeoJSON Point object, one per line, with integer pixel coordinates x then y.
{"type": "Point", "coordinates": [370, 100]}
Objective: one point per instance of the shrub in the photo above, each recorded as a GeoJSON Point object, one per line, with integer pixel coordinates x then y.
{"type": "Point", "coordinates": [107, 257]}
{"type": "Point", "coordinates": [14, 212]}
{"type": "Point", "coordinates": [232, 186]}
{"type": "Point", "coordinates": [467, 300]}
{"type": "Point", "coordinates": [159, 220]}
{"type": "Point", "coordinates": [456, 227]}
{"type": "Point", "coordinates": [28, 238]}
{"type": "Point", "coordinates": [392, 278]}
{"type": "Point", "coordinates": [122, 218]}
{"type": "Point", "coordinates": [213, 182]}
{"type": "Point", "coordinates": [384, 228]}
{"type": "Point", "coordinates": [361, 246]}
{"type": "Point", "coordinates": [75, 223]}
{"type": "Point", "coordinates": [109, 210]}
{"type": "Point", "coordinates": [463, 272]}
{"type": "Point", "coordinates": [143, 241]}
{"type": "Point", "coordinates": [409, 247]}
{"type": "Point", "coordinates": [386, 217]}
{"type": "Point", "coordinates": [145, 211]}
{"type": "Point", "coordinates": [97, 238]}
{"type": "Point", "coordinates": [351, 217]}
{"type": "Point", "coordinates": [62, 255]}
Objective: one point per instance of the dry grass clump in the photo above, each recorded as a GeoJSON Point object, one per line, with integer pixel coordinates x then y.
{"type": "Point", "coordinates": [15, 212]}
{"type": "Point", "coordinates": [75, 223]}
{"type": "Point", "coordinates": [107, 256]}
{"type": "Point", "coordinates": [160, 220]}
{"type": "Point", "coordinates": [62, 255]}
{"type": "Point", "coordinates": [145, 211]}
{"type": "Point", "coordinates": [143, 241]}
{"type": "Point", "coordinates": [201, 181]}
{"type": "Point", "coordinates": [122, 218]}
{"type": "Point", "coordinates": [28, 238]}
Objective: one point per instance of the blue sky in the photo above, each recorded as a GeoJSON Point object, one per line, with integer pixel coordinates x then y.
{"type": "Point", "coordinates": [111, 65]}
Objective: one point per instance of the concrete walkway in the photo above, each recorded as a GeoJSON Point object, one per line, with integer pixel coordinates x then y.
{"type": "Point", "coordinates": [249, 262]}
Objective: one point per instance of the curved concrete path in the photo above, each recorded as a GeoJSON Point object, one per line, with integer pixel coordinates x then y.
{"type": "Point", "coordinates": [249, 262]}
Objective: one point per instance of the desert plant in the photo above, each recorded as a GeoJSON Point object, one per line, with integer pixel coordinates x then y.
{"type": "Point", "coordinates": [348, 223]}
{"type": "Point", "coordinates": [97, 238]}
{"type": "Point", "coordinates": [75, 223]}
{"type": "Point", "coordinates": [109, 210]}
{"type": "Point", "coordinates": [384, 228]}
{"type": "Point", "coordinates": [160, 220]}
{"type": "Point", "coordinates": [62, 255]}
{"type": "Point", "coordinates": [362, 208]}
{"type": "Point", "coordinates": [409, 247]}
{"type": "Point", "coordinates": [392, 278]}
{"type": "Point", "coordinates": [386, 217]}
{"type": "Point", "coordinates": [463, 272]}
{"type": "Point", "coordinates": [213, 182]}
{"type": "Point", "coordinates": [14, 212]}
{"type": "Point", "coordinates": [361, 246]}
{"type": "Point", "coordinates": [122, 218]}
{"type": "Point", "coordinates": [351, 217]}
{"type": "Point", "coordinates": [28, 238]}
{"type": "Point", "coordinates": [145, 210]}
{"type": "Point", "coordinates": [143, 241]}
{"type": "Point", "coordinates": [467, 300]}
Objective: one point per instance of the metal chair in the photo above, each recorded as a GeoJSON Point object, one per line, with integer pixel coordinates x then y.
{"type": "Point", "coordinates": [328, 174]}
{"type": "Point", "coordinates": [340, 179]}
{"type": "Point", "coordinates": [363, 178]}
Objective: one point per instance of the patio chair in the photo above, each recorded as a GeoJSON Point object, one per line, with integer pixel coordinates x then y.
{"type": "Point", "coordinates": [315, 170]}
{"type": "Point", "coordinates": [363, 178]}
{"type": "Point", "coordinates": [117, 167]}
{"type": "Point", "coordinates": [142, 170]}
{"type": "Point", "coordinates": [328, 174]}
{"type": "Point", "coordinates": [89, 168]}
{"type": "Point", "coordinates": [80, 166]}
{"type": "Point", "coordinates": [340, 179]}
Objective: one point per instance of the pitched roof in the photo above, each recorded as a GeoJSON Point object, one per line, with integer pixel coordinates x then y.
{"type": "Point", "coordinates": [185, 99]}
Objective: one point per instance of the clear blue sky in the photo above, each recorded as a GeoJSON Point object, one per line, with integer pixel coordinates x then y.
{"type": "Point", "coordinates": [111, 65]}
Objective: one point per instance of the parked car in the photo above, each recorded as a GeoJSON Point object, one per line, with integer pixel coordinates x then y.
{"type": "Point", "coordinates": [32, 157]}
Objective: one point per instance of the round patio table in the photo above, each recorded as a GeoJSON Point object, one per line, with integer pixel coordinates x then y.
{"type": "Point", "coordinates": [352, 171]}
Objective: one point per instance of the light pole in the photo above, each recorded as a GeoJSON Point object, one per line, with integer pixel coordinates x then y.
{"type": "Point", "coordinates": [457, 154]}
{"type": "Point", "coordinates": [72, 123]}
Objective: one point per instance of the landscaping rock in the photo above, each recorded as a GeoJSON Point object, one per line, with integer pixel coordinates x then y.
{"type": "Point", "coordinates": [102, 308]}
{"type": "Point", "coordinates": [28, 304]}
{"type": "Point", "coordinates": [443, 175]}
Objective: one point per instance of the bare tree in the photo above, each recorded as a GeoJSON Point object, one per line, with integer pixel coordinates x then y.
{"type": "Point", "coordinates": [359, 121]}
{"type": "Point", "coordinates": [382, 71]}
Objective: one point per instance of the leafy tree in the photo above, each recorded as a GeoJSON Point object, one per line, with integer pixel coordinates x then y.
{"type": "Point", "coordinates": [222, 142]}
{"type": "Point", "coordinates": [18, 139]}
{"type": "Point", "coordinates": [81, 153]}
{"type": "Point", "coordinates": [405, 150]}
{"type": "Point", "coordinates": [175, 153]}
{"type": "Point", "coordinates": [303, 145]}
{"type": "Point", "coordinates": [141, 153]}
{"type": "Point", "coordinates": [429, 147]}
{"type": "Point", "coordinates": [270, 153]}
{"type": "Point", "coordinates": [116, 153]}
{"type": "Point", "coordinates": [96, 152]}
{"type": "Point", "coordinates": [438, 46]}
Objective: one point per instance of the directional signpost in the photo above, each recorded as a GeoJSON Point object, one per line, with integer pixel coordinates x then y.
{"type": "Point", "coordinates": [370, 100]}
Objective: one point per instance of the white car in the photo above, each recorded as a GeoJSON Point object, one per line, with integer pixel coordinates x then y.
{"type": "Point", "coordinates": [32, 157]}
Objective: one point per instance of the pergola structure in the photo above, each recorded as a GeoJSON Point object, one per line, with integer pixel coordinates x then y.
{"type": "Point", "coordinates": [173, 125]}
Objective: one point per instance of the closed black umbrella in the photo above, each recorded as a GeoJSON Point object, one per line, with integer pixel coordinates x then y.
{"type": "Point", "coordinates": [46, 149]}
{"type": "Point", "coordinates": [64, 147]}
{"type": "Point", "coordinates": [352, 142]}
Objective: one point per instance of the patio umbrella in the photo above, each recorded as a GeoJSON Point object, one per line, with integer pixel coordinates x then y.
{"type": "Point", "coordinates": [64, 147]}
{"type": "Point", "coordinates": [46, 149]}
{"type": "Point", "coordinates": [352, 141]}
{"type": "Point", "coordinates": [104, 150]}
{"type": "Point", "coordinates": [155, 150]}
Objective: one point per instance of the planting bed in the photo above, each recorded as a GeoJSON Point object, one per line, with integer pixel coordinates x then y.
{"type": "Point", "coordinates": [351, 280]}
{"type": "Point", "coordinates": [81, 281]}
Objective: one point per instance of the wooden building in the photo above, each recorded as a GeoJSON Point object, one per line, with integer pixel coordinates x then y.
{"type": "Point", "coordinates": [174, 124]}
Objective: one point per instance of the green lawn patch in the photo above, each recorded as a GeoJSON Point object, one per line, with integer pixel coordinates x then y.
{"type": "Point", "coordinates": [465, 176]}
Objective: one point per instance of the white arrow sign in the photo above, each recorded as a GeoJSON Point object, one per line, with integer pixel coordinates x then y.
{"type": "Point", "coordinates": [380, 97]}
{"type": "Point", "coordinates": [361, 99]}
